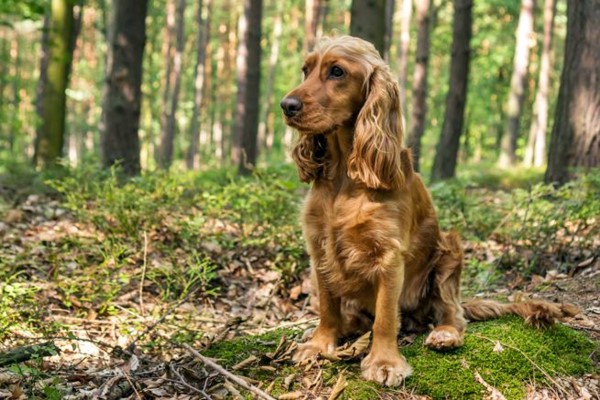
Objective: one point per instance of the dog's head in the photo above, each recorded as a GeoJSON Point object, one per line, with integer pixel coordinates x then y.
{"type": "Point", "coordinates": [348, 85]}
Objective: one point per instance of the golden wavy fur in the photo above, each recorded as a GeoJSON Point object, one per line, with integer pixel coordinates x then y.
{"type": "Point", "coordinates": [376, 250]}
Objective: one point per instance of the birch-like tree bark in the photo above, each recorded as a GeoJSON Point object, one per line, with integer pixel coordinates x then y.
{"type": "Point", "coordinates": [535, 153]}
{"type": "Point", "coordinates": [516, 96]}
{"type": "Point", "coordinates": [170, 125]}
{"type": "Point", "coordinates": [202, 36]}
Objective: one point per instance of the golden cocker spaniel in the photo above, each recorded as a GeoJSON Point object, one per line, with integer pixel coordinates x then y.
{"type": "Point", "coordinates": [372, 233]}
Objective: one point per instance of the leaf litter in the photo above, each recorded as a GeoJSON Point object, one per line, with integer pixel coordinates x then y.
{"type": "Point", "coordinates": [129, 345]}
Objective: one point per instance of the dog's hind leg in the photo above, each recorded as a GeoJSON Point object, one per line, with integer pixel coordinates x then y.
{"type": "Point", "coordinates": [449, 322]}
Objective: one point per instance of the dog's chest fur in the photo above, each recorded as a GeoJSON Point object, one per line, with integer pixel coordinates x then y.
{"type": "Point", "coordinates": [353, 239]}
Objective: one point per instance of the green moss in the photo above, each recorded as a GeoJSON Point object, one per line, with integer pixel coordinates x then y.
{"type": "Point", "coordinates": [557, 351]}
{"type": "Point", "coordinates": [526, 352]}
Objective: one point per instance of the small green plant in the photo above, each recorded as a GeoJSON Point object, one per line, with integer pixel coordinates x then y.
{"type": "Point", "coordinates": [178, 277]}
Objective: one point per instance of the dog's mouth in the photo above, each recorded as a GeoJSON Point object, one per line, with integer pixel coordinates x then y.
{"type": "Point", "coordinates": [304, 127]}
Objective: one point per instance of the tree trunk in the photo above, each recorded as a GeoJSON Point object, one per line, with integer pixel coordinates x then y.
{"type": "Point", "coordinates": [41, 83]}
{"type": "Point", "coordinates": [50, 140]}
{"type": "Point", "coordinates": [17, 47]}
{"type": "Point", "coordinates": [535, 153]}
{"type": "Point", "coordinates": [193, 157]}
{"type": "Point", "coordinates": [120, 142]}
{"type": "Point", "coordinates": [4, 71]}
{"type": "Point", "coordinates": [389, 28]}
{"type": "Point", "coordinates": [311, 23]}
{"type": "Point", "coordinates": [508, 145]}
{"type": "Point", "coordinates": [368, 22]}
{"type": "Point", "coordinates": [72, 135]}
{"type": "Point", "coordinates": [266, 131]}
{"type": "Point", "coordinates": [575, 138]}
{"type": "Point", "coordinates": [248, 77]}
{"type": "Point", "coordinates": [169, 57]}
{"type": "Point", "coordinates": [168, 138]}
{"type": "Point", "coordinates": [405, 17]}
{"type": "Point", "coordinates": [444, 165]}
{"type": "Point", "coordinates": [419, 109]}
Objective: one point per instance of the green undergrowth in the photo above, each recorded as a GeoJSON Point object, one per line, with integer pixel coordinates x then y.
{"type": "Point", "coordinates": [506, 353]}
{"type": "Point", "coordinates": [540, 227]}
{"type": "Point", "coordinates": [176, 231]}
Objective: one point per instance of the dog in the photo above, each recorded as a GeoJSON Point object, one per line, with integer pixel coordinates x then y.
{"type": "Point", "coordinates": [377, 254]}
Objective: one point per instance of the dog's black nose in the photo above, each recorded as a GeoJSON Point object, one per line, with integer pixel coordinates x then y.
{"type": "Point", "coordinates": [291, 106]}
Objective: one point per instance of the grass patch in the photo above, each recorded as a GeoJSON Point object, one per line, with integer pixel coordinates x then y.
{"type": "Point", "coordinates": [526, 352]}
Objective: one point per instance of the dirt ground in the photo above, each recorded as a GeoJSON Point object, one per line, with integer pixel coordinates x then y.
{"type": "Point", "coordinates": [136, 351]}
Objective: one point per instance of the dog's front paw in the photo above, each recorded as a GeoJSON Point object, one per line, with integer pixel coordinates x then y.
{"type": "Point", "coordinates": [312, 348]}
{"type": "Point", "coordinates": [385, 369]}
{"type": "Point", "coordinates": [444, 337]}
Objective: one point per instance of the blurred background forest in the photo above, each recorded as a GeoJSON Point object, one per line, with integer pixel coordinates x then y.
{"type": "Point", "coordinates": [64, 79]}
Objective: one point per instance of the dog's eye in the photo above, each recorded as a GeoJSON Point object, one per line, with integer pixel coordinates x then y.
{"type": "Point", "coordinates": [304, 72]}
{"type": "Point", "coordinates": [336, 72]}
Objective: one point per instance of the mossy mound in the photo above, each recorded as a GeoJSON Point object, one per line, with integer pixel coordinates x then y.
{"type": "Point", "coordinates": [506, 353]}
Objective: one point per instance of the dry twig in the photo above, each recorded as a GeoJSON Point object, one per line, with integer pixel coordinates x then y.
{"type": "Point", "coordinates": [144, 266]}
{"type": "Point", "coordinates": [562, 389]}
{"type": "Point", "coordinates": [232, 377]}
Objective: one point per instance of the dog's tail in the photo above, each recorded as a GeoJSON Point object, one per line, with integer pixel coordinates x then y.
{"type": "Point", "coordinates": [537, 313]}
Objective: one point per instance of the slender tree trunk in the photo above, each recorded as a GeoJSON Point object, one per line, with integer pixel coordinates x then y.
{"type": "Point", "coordinates": [205, 141]}
{"type": "Point", "coordinates": [368, 22]}
{"type": "Point", "coordinates": [405, 18]}
{"type": "Point", "coordinates": [168, 51]}
{"type": "Point", "coordinates": [311, 23]}
{"type": "Point", "coordinates": [535, 153]}
{"type": "Point", "coordinates": [17, 84]}
{"type": "Point", "coordinates": [72, 135]}
{"type": "Point", "coordinates": [322, 17]}
{"type": "Point", "coordinates": [247, 110]}
{"type": "Point", "coordinates": [389, 28]}
{"type": "Point", "coordinates": [266, 131]}
{"type": "Point", "coordinates": [120, 141]}
{"type": "Point", "coordinates": [41, 83]}
{"type": "Point", "coordinates": [444, 165]}
{"type": "Point", "coordinates": [168, 138]}
{"type": "Point", "coordinates": [220, 74]}
{"type": "Point", "coordinates": [419, 109]}
{"type": "Point", "coordinates": [508, 145]}
{"type": "Point", "coordinates": [575, 138]}
{"type": "Point", "coordinates": [4, 71]}
{"type": "Point", "coordinates": [203, 25]}
{"type": "Point", "coordinates": [50, 140]}
{"type": "Point", "coordinates": [226, 133]}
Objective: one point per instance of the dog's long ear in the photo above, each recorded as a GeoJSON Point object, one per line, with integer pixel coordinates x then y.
{"type": "Point", "coordinates": [375, 157]}
{"type": "Point", "coordinates": [309, 154]}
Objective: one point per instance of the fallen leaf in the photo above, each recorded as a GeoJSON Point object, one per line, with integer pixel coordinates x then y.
{"type": "Point", "coordinates": [291, 395]}
{"type": "Point", "coordinates": [358, 347]}
{"type": "Point", "coordinates": [498, 348]}
{"type": "Point", "coordinates": [287, 382]}
{"type": "Point", "coordinates": [493, 393]}
{"type": "Point", "coordinates": [244, 363]}
{"type": "Point", "coordinates": [339, 387]}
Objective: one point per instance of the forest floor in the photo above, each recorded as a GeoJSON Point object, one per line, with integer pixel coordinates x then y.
{"type": "Point", "coordinates": [95, 303]}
